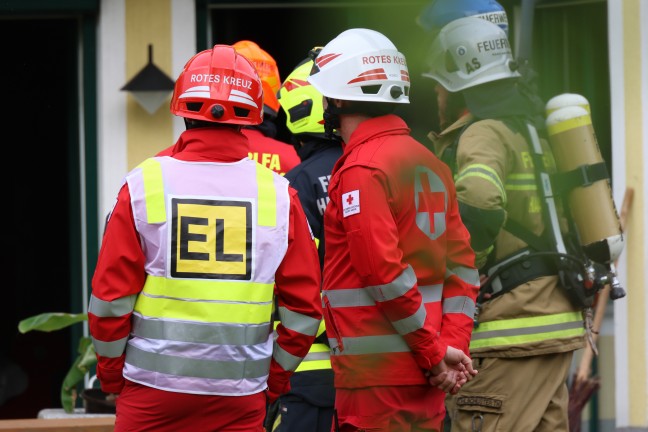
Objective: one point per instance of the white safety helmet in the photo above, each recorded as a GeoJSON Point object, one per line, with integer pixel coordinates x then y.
{"type": "Point", "coordinates": [468, 52]}
{"type": "Point", "coordinates": [361, 65]}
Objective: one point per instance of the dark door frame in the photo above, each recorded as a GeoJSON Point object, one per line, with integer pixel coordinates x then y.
{"type": "Point", "coordinates": [83, 188]}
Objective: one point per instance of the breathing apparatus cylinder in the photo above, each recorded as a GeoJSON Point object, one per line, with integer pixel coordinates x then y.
{"type": "Point", "coordinates": [566, 100]}
{"type": "Point", "coordinates": [581, 166]}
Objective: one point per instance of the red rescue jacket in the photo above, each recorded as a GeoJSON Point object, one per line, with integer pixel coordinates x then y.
{"type": "Point", "coordinates": [399, 276]}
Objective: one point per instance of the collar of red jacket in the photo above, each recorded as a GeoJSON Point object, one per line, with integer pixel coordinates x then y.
{"type": "Point", "coordinates": [211, 144]}
{"type": "Point", "coordinates": [389, 124]}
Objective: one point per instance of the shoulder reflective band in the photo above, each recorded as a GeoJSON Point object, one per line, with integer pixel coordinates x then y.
{"type": "Point", "coordinates": [153, 191]}
{"type": "Point", "coordinates": [267, 198]}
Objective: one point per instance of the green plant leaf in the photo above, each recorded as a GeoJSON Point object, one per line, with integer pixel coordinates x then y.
{"type": "Point", "coordinates": [81, 366]}
{"type": "Point", "coordinates": [50, 321]}
{"type": "Point", "coordinates": [69, 388]}
{"type": "Point", "coordinates": [87, 357]}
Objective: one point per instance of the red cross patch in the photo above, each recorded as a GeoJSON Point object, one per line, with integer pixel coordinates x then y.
{"type": "Point", "coordinates": [431, 200]}
{"type": "Point", "coordinates": [351, 203]}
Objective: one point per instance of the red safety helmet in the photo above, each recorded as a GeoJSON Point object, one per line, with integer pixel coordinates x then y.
{"type": "Point", "coordinates": [219, 85]}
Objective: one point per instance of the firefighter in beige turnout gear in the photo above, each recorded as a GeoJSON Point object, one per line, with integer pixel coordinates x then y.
{"type": "Point", "coordinates": [527, 326]}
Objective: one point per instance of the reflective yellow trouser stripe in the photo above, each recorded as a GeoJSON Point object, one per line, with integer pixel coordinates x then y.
{"type": "Point", "coordinates": [526, 330]}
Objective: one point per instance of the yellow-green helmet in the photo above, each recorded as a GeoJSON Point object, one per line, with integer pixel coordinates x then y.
{"type": "Point", "coordinates": [301, 102]}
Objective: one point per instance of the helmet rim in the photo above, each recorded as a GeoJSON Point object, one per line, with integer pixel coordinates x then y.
{"type": "Point", "coordinates": [361, 65]}
{"type": "Point", "coordinates": [218, 77]}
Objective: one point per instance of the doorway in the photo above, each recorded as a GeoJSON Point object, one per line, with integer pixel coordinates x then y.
{"type": "Point", "coordinates": [41, 160]}
{"type": "Point", "coordinates": [288, 30]}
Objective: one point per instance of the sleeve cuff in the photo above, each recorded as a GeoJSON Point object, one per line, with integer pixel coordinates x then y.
{"type": "Point", "coordinates": [112, 381]}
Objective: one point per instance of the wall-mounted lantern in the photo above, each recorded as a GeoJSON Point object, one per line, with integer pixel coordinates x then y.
{"type": "Point", "coordinates": [150, 87]}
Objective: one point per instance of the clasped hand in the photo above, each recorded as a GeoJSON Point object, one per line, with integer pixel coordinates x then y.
{"type": "Point", "coordinates": [452, 372]}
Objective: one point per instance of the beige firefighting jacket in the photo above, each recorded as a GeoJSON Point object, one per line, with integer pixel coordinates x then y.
{"type": "Point", "coordinates": [494, 171]}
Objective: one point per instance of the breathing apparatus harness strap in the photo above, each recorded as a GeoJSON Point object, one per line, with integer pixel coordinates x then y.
{"type": "Point", "coordinates": [547, 254]}
{"type": "Point", "coordinates": [579, 276]}
{"type": "Point", "coordinates": [550, 213]}
{"type": "Point", "coordinates": [583, 176]}
{"type": "Point", "coordinates": [550, 252]}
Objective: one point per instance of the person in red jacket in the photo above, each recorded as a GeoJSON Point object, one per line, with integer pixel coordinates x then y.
{"type": "Point", "coordinates": [199, 248]}
{"type": "Point", "coordinates": [399, 282]}
{"type": "Point", "coordinates": [270, 152]}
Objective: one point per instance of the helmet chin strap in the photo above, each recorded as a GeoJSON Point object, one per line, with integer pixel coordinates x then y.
{"type": "Point", "coordinates": [331, 118]}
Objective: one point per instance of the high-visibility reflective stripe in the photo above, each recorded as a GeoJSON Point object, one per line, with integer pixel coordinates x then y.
{"type": "Point", "coordinates": [116, 308]}
{"type": "Point", "coordinates": [396, 288]}
{"type": "Point", "coordinates": [321, 328]}
{"type": "Point", "coordinates": [349, 297]}
{"type": "Point", "coordinates": [318, 358]}
{"type": "Point", "coordinates": [208, 333]}
{"type": "Point", "coordinates": [192, 289]}
{"type": "Point", "coordinates": [197, 368]}
{"type": "Point", "coordinates": [521, 187]}
{"type": "Point", "coordinates": [525, 330]}
{"type": "Point", "coordinates": [298, 322]}
{"type": "Point", "coordinates": [431, 293]}
{"type": "Point", "coordinates": [412, 322]}
{"type": "Point", "coordinates": [459, 304]}
{"type": "Point", "coordinates": [529, 322]}
{"type": "Point", "coordinates": [203, 351]}
{"type": "Point", "coordinates": [320, 348]}
{"type": "Point", "coordinates": [314, 365]}
{"type": "Point", "coordinates": [484, 172]}
{"type": "Point", "coordinates": [369, 295]}
{"type": "Point", "coordinates": [204, 311]}
{"type": "Point", "coordinates": [466, 274]}
{"type": "Point", "coordinates": [267, 197]}
{"type": "Point", "coordinates": [359, 297]}
{"type": "Point", "coordinates": [110, 349]}
{"type": "Point", "coordinates": [153, 191]}
{"type": "Point", "coordinates": [567, 332]}
{"type": "Point", "coordinates": [370, 345]}
{"type": "Point", "coordinates": [287, 361]}
{"type": "Point", "coordinates": [521, 182]}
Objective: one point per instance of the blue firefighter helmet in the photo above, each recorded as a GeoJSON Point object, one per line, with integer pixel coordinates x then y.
{"type": "Point", "coordinates": [438, 13]}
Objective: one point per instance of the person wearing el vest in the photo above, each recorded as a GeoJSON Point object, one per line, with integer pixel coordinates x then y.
{"type": "Point", "coordinates": [200, 246]}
